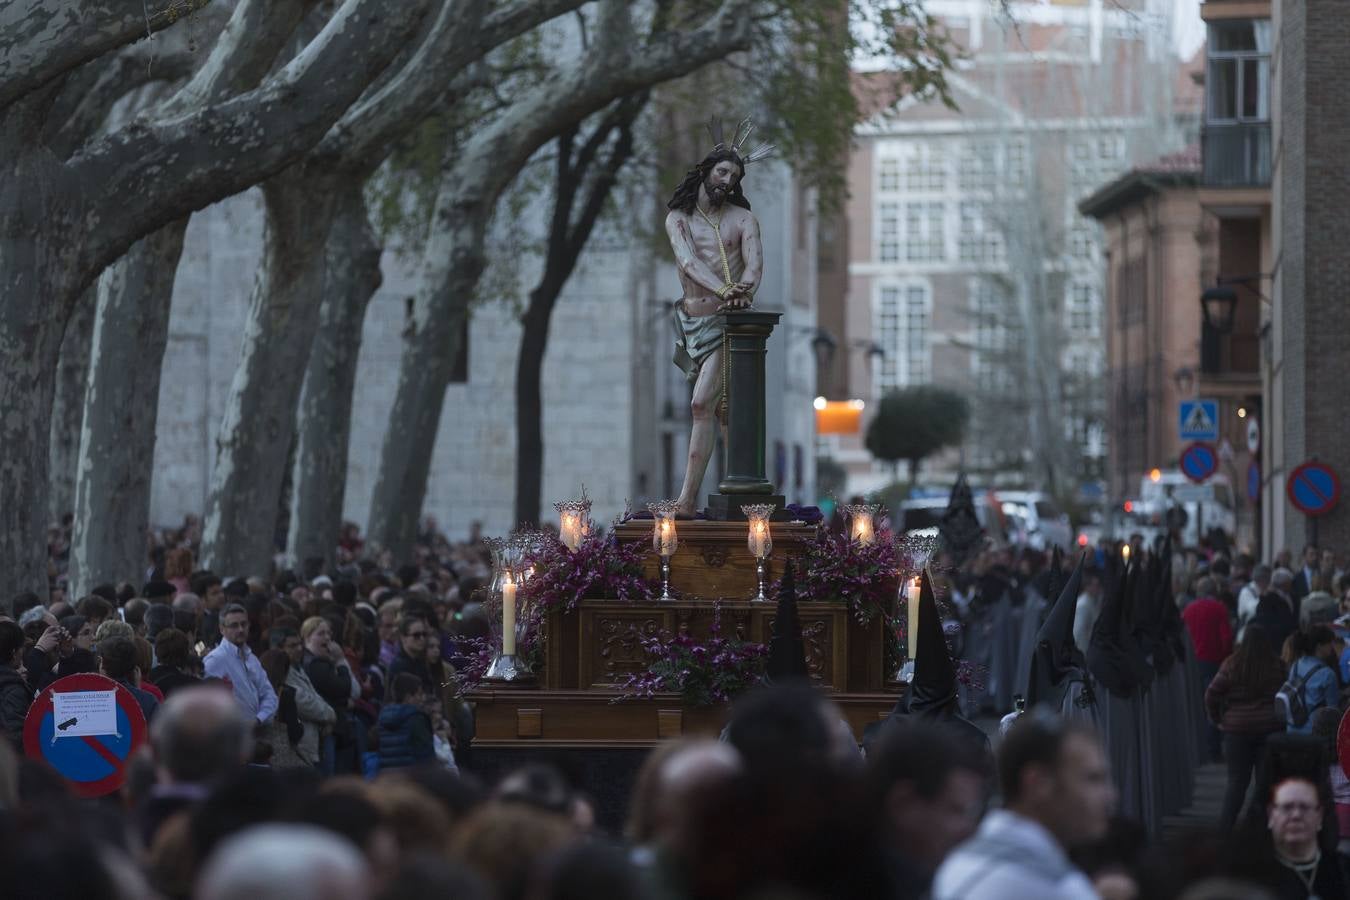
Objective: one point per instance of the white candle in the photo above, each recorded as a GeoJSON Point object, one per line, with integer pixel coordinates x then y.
{"type": "Point", "coordinates": [509, 617]}
{"type": "Point", "coordinates": [912, 640]}
{"type": "Point", "coordinates": [667, 547]}
{"type": "Point", "coordinates": [759, 538]}
{"type": "Point", "coordinates": [862, 529]}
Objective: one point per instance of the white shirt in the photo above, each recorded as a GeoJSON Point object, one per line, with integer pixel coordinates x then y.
{"type": "Point", "coordinates": [1011, 857]}
{"type": "Point", "coordinates": [241, 668]}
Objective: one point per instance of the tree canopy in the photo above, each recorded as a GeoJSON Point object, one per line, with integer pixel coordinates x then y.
{"type": "Point", "coordinates": [913, 423]}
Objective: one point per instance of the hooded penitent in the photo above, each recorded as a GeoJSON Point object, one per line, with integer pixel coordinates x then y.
{"type": "Point", "coordinates": [1108, 655]}
{"type": "Point", "coordinates": [1151, 610]}
{"type": "Point", "coordinates": [787, 650]}
{"type": "Point", "coordinates": [960, 526]}
{"type": "Point", "coordinates": [933, 692]}
{"type": "Point", "coordinates": [1057, 661]}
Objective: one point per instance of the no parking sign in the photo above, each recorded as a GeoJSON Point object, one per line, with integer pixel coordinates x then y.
{"type": "Point", "coordinates": [87, 727]}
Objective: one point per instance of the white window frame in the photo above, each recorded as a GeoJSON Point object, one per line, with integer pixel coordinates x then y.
{"type": "Point", "coordinates": [906, 359]}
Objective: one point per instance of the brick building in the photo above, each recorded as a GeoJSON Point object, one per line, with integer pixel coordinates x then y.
{"type": "Point", "coordinates": [1306, 367]}
{"type": "Point", "coordinates": [970, 265]}
{"type": "Point", "coordinates": [1162, 248]}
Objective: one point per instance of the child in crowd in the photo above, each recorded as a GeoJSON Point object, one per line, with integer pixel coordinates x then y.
{"type": "Point", "coordinates": [405, 733]}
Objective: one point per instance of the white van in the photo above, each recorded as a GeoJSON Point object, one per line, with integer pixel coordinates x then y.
{"type": "Point", "coordinates": [1209, 505]}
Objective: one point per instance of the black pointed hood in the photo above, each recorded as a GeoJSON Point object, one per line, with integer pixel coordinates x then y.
{"type": "Point", "coordinates": [960, 527]}
{"type": "Point", "coordinates": [1108, 655]}
{"type": "Point", "coordinates": [787, 650]}
{"type": "Point", "coordinates": [1057, 661]}
{"type": "Point", "coordinates": [934, 685]}
{"type": "Point", "coordinates": [1134, 631]}
{"type": "Point", "coordinates": [1054, 575]}
{"type": "Point", "coordinates": [1160, 593]}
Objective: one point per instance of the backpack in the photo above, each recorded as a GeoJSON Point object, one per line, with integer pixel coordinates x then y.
{"type": "Point", "coordinates": [1290, 707]}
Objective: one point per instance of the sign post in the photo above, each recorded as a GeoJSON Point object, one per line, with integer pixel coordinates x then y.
{"type": "Point", "coordinates": [87, 727]}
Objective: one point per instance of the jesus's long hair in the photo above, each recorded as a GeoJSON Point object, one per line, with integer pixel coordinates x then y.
{"type": "Point", "coordinates": [686, 195]}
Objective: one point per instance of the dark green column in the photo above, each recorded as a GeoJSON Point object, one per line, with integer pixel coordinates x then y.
{"type": "Point", "coordinates": [747, 333]}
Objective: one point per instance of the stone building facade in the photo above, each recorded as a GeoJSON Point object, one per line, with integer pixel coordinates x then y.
{"type": "Point", "coordinates": [970, 265]}
{"type": "Point", "coordinates": [615, 408]}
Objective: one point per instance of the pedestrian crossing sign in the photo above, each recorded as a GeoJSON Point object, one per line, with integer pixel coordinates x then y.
{"type": "Point", "coordinates": [1199, 420]}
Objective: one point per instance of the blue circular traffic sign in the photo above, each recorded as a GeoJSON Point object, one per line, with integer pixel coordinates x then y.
{"type": "Point", "coordinates": [1313, 488]}
{"type": "Point", "coordinates": [1199, 461]}
{"type": "Point", "coordinates": [93, 760]}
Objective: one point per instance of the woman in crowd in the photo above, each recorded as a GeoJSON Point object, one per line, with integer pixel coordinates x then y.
{"type": "Point", "coordinates": [1300, 869]}
{"type": "Point", "coordinates": [178, 569]}
{"type": "Point", "coordinates": [1240, 700]}
{"type": "Point", "coordinates": [285, 730]}
{"type": "Point", "coordinates": [326, 666]}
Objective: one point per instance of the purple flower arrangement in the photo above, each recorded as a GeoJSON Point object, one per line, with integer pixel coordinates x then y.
{"type": "Point", "coordinates": [836, 568]}
{"type": "Point", "coordinates": [600, 567]}
{"type": "Point", "coordinates": [704, 672]}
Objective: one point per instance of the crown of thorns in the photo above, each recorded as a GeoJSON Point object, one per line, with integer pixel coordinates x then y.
{"type": "Point", "coordinates": [743, 130]}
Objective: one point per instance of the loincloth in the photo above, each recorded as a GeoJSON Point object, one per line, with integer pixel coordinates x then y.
{"type": "Point", "coordinates": [696, 337]}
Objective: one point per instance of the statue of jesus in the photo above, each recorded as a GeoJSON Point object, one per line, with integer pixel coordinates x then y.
{"type": "Point", "coordinates": [720, 260]}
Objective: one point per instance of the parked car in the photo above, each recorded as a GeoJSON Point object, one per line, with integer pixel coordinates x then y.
{"type": "Point", "coordinates": [1036, 520]}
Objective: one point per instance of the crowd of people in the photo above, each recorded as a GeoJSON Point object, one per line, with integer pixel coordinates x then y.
{"type": "Point", "coordinates": [308, 739]}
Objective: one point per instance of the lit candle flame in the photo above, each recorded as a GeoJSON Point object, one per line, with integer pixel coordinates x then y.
{"type": "Point", "coordinates": [1125, 552]}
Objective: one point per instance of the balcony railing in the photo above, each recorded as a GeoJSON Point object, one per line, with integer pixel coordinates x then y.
{"type": "Point", "coordinates": [1237, 155]}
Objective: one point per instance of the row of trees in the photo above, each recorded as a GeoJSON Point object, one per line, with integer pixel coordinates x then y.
{"type": "Point", "coordinates": [312, 102]}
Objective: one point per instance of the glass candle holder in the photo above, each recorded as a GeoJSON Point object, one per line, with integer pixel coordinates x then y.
{"type": "Point", "coordinates": [759, 538]}
{"type": "Point", "coordinates": [574, 521]}
{"type": "Point", "coordinates": [665, 539]}
{"type": "Point", "coordinates": [861, 521]}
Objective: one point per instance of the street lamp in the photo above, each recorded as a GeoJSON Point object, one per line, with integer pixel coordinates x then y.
{"type": "Point", "coordinates": [1219, 303]}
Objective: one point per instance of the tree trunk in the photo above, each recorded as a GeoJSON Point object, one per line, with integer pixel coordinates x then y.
{"type": "Point", "coordinates": [530, 403]}
{"type": "Point", "coordinates": [259, 421]}
{"type": "Point", "coordinates": [68, 406]}
{"type": "Point", "coordinates": [470, 185]}
{"type": "Point", "coordinates": [325, 418]}
{"type": "Point", "coordinates": [431, 350]}
{"type": "Point", "coordinates": [120, 411]}
{"type": "Point", "coordinates": [35, 253]}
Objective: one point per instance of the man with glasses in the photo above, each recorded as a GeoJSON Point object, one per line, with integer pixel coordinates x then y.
{"type": "Point", "coordinates": [414, 633]}
{"type": "Point", "coordinates": [233, 661]}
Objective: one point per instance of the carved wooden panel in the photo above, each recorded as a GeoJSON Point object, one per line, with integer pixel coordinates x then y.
{"type": "Point", "coordinates": [613, 639]}
{"type": "Point", "coordinates": [713, 561]}
{"type": "Point", "coordinates": [822, 653]}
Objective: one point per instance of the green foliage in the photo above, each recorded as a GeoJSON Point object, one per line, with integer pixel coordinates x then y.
{"type": "Point", "coordinates": [913, 423]}
{"type": "Point", "coordinates": [799, 84]}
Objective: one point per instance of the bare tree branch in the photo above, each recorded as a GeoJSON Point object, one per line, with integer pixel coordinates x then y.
{"type": "Point", "coordinates": [150, 173]}
{"type": "Point", "coordinates": [460, 35]}
{"type": "Point", "coordinates": [90, 92]}
{"type": "Point", "coordinates": [41, 40]}
{"type": "Point", "coordinates": [242, 56]}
